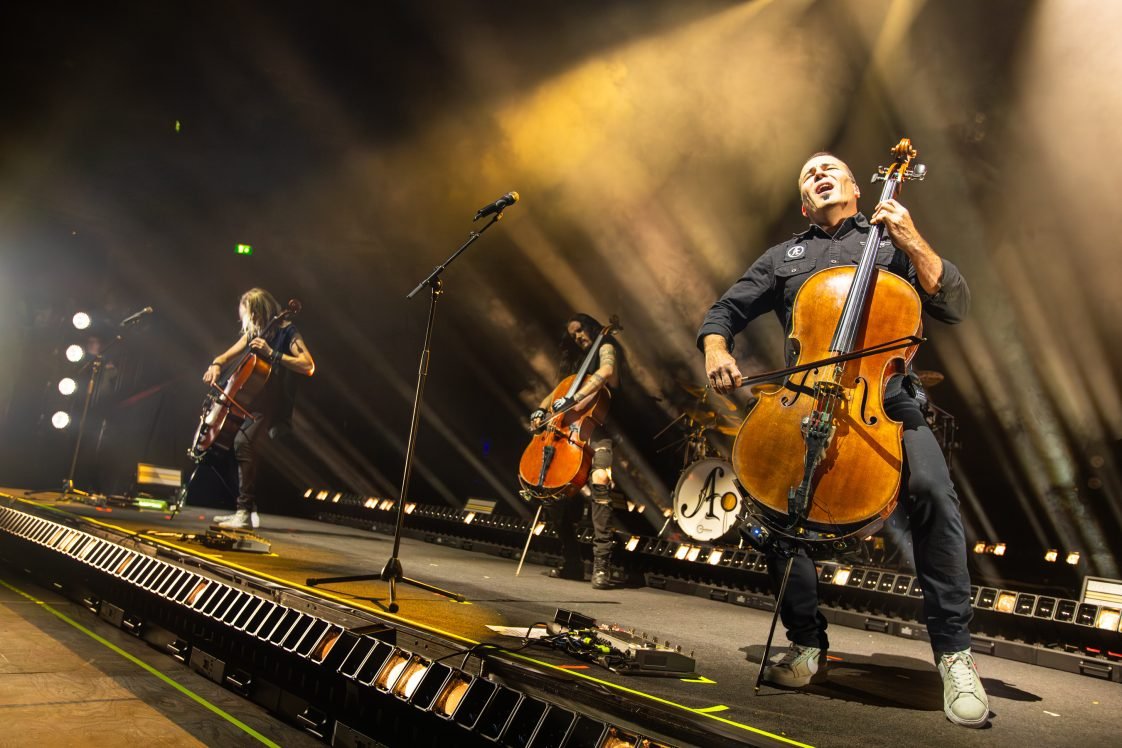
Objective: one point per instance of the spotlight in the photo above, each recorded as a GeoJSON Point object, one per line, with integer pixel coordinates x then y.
{"type": "Point", "coordinates": [1051, 555]}
{"type": "Point", "coordinates": [1045, 607]}
{"type": "Point", "coordinates": [715, 556]}
{"type": "Point", "coordinates": [469, 517]}
{"type": "Point", "coordinates": [1065, 611]}
{"type": "Point", "coordinates": [1072, 557]}
{"type": "Point", "coordinates": [81, 320]}
{"type": "Point", "coordinates": [391, 670]}
{"type": "Point", "coordinates": [1108, 619]}
{"type": "Point", "coordinates": [451, 695]}
{"type": "Point", "coordinates": [694, 552]}
{"type": "Point", "coordinates": [74, 353]}
{"type": "Point", "coordinates": [633, 542]}
{"type": "Point", "coordinates": [67, 386]}
{"type": "Point", "coordinates": [410, 678]}
{"type": "Point", "coordinates": [999, 549]}
{"type": "Point", "coordinates": [841, 576]}
{"type": "Point", "coordinates": [60, 420]}
{"type": "Point", "coordinates": [980, 546]}
{"type": "Point", "coordinates": [308, 494]}
{"type": "Point", "coordinates": [1006, 601]}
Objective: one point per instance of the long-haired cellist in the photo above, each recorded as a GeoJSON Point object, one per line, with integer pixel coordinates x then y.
{"type": "Point", "coordinates": [285, 350]}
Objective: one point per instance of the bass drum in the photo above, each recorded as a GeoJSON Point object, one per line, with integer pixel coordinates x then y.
{"type": "Point", "coordinates": [706, 501]}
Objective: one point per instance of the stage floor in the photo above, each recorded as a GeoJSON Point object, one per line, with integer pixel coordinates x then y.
{"type": "Point", "coordinates": [883, 690]}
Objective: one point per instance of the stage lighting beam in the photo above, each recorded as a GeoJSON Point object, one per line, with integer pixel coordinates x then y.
{"type": "Point", "coordinates": [60, 420]}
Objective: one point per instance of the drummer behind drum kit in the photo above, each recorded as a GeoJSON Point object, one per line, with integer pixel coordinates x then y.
{"type": "Point", "coordinates": [707, 501]}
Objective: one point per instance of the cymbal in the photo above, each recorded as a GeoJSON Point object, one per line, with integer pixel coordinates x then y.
{"type": "Point", "coordinates": [693, 390]}
{"type": "Point", "coordinates": [728, 426]}
{"type": "Point", "coordinates": [700, 415]}
{"type": "Point", "coordinates": [929, 378]}
{"type": "Point", "coordinates": [706, 395]}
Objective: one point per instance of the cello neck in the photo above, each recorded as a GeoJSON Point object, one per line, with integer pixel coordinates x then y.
{"type": "Point", "coordinates": [845, 334]}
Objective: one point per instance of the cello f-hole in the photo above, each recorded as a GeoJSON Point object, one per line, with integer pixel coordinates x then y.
{"type": "Point", "coordinates": [870, 420]}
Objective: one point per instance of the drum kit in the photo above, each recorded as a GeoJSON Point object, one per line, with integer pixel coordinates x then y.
{"type": "Point", "coordinates": [706, 499]}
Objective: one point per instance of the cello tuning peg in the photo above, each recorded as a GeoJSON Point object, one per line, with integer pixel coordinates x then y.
{"type": "Point", "coordinates": [917, 172]}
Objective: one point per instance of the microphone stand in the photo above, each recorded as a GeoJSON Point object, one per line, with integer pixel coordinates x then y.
{"type": "Point", "coordinates": [68, 489]}
{"type": "Point", "coordinates": [392, 572]}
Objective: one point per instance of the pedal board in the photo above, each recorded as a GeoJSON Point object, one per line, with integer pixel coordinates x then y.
{"type": "Point", "coordinates": [641, 656]}
{"type": "Point", "coordinates": [235, 540]}
{"type": "Point", "coordinates": [620, 650]}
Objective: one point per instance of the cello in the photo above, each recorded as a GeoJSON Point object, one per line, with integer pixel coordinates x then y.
{"type": "Point", "coordinates": [227, 406]}
{"type": "Point", "coordinates": [818, 459]}
{"type": "Point", "coordinates": [558, 459]}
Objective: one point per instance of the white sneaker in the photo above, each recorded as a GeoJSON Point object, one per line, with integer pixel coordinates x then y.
{"type": "Point", "coordinates": [800, 667]}
{"type": "Point", "coordinates": [239, 520]}
{"type": "Point", "coordinates": [964, 699]}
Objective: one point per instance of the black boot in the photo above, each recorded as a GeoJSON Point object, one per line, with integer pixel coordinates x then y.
{"type": "Point", "coordinates": [601, 576]}
{"type": "Point", "coordinates": [569, 569]}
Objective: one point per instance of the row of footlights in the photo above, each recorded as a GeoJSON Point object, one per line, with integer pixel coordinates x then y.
{"type": "Point", "coordinates": [473, 702]}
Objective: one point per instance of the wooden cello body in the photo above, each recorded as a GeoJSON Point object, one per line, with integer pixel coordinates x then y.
{"type": "Point", "coordinates": [558, 459]}
{"type": "Point", "coordinates": [227, 406]}
{"type": "Point", "coordinates": [819, 459]}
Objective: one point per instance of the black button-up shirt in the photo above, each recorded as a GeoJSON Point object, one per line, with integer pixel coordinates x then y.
{"type": "Point", "coordinates": [772, 281]}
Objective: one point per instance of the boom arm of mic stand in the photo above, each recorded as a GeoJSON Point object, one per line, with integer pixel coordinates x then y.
{"type": "Point", "coordinates": [434, 276]}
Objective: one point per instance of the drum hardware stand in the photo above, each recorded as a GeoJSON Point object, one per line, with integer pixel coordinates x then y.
{"type": "Point", "coordinates": [392, 572]}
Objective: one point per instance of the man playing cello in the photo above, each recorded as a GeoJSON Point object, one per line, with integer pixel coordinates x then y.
{"type": "Point", "coordinates": [835, 237]}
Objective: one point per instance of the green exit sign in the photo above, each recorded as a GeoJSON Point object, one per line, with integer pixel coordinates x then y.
{"type": "Point", "coordinates": [244, 249]}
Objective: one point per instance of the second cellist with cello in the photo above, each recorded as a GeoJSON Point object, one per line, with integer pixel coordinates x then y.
{"type": "Point", "coordinates": [825, 456]}
{"type": "Point", "coordinates": [571, 451]}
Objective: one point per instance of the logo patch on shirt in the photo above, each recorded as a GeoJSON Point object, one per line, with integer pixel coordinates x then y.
{"type": "Point", "coordinates": [796, 252]}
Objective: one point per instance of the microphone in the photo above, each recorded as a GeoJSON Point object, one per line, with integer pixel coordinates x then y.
{"type": "Point", "coordinates": [135, 317]}
{"type": "Point", "coordinates": [505, 201]}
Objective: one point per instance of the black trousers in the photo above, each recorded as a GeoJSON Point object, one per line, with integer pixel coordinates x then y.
{"type": "Point", "coordinates": [565, 515]}
{"type": "Point", "coordinates": [939, 543]}
{"type": "Point", "coordinates": [248, 443]}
